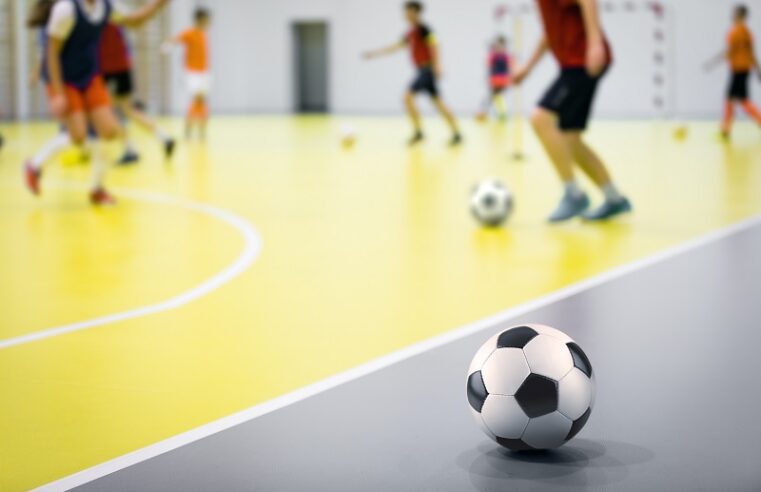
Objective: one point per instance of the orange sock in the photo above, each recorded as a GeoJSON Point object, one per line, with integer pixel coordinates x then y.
{"type": "Point", "coordinates": [752, 110]}
{"type": "Point", "coordinates": [729, 114]}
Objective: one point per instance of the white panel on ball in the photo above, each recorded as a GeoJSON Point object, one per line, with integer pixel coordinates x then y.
{"type": "Point", "coordinates": [504, 417]}
{"type": "Point", "coordinates": [548, 431]}
{"type": "Point", "coordinates": [575, 394]}
{"type": "Point", "coordinates": [504, 371]}
{"type": "Point", "coordinates": [549, 357]}
{"type": "Point", "coordinates": [481, 424]}
{"type": "Point", "coordinates": [483, 353]}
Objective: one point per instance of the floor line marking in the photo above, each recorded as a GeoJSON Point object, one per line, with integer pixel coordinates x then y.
{"type": "Point", "coordinates": [252, 248]}
{"type": "Point", "coordinates": [138, 456]}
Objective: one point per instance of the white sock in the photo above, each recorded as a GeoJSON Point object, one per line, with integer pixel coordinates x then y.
{"type": "Point", "coordinates": [161, 135]}
{"type": "Point", "coordinates": [52, 147]}
{"type": "Point", "coordinates": [98, 163]}
{"type": "Point", "coordinates": [572, 188]}
{"type": "Point", "coordinates": [611, 193]}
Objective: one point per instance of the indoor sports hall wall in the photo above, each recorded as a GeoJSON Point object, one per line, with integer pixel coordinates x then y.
{"type": "Point", "coordinates": [253, 69]}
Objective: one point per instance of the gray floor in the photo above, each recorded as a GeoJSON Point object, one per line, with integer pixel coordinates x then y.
{"type": "Point", "coordinates": [677, 353]}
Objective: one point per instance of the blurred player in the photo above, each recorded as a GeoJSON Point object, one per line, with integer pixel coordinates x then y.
{"type": "Point", "coordinates": [425, 55]}
{"type": "Point", "coordinates": [741, 58]}
{"type": "Point", "coordinates": [116, 67]}
{"type": "Point", "coordinates": [76, 90]}
{"type": "Point", "coordinates": [573, 33]}
{"type": "Point", "coordinates": [196, 45]}
{"type": "Point", "coordinates": [38, 20]}
{"type": "Point", "coordinates": [499, 64]}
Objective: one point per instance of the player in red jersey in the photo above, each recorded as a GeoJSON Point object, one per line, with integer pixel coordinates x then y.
{"type": "Point", "coordinates": [573, 33]}
{"type": "Point", "coordinates": [116, 66]}
{"type": "Point", "coordinates": [499, 64]}
{"type": "Point", "coordinates": [424, 52]}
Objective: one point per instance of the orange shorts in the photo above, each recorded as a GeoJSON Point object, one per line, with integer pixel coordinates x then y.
{"type": "Point", "coordinates": [93, 97]}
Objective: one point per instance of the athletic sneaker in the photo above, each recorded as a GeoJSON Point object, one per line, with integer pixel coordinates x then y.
{"type": "Point", "coordinates": [169, 148]}
{"type": "Point", "coordinates": [416, 139]}
{"type": "Point", "coordinates": [569, 207]}
{"type": "Point", "coordinates": [609, 209]}
{"type": "Point", "coordinates": [99, 196]}
{"type": "Point", "coordinates": [129, 157]}
{"type": "Point", "coordinates": [456, 140]}
{"type": "Point", "coordinates": [32, 178]}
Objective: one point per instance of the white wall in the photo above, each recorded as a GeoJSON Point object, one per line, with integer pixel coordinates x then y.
{"type": "Point", "coordinates": [252, 54]}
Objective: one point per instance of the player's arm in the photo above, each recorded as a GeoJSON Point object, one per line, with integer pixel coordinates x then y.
{"type": "Point", "coordinates": [137, 17]}
{"type": "Point", "coordinates": [387, 50]}
{"type": "Point", "coordinates": [596, 51]}
{"type": "Point", "coordinates": [433, 46]}
{"type": "Point", "coordinates": [524, 71]}
{"type": "Point", "coordinates": [716, 60]}
{"type": "Point", "coordinates": [55, 75]}
{"type": "Point", "coordinates": [60, 25]}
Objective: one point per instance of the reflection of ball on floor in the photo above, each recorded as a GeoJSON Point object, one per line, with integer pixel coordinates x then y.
{"type": "Point", "coordinates": [491, 203]}
{"type": "Point", "coordinates": [531, 387]}
{"type": "Point", "coordinates": [348, 136]}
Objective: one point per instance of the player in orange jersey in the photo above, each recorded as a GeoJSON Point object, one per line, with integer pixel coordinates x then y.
{"type": "Point", "coordinates": [741, 58]}
{"type": "Point", "coordinates": [195, 42]}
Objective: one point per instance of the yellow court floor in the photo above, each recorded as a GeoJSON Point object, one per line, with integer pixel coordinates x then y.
{"type": "Point", "coordinates": [363, 251]}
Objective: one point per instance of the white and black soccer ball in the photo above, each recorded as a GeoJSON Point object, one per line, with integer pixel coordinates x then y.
{"type": "Point", "coordinates": [531, 387]}
{"type": "Point", "coordinates": [491, 202]}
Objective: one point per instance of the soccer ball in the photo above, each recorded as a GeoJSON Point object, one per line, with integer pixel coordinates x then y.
{"type": "Point", "coordinates": [348, 136]}
{"type": "Point", "coordinates": [531, 387]}
{"type": "Point", "coordinates": [491, 203]}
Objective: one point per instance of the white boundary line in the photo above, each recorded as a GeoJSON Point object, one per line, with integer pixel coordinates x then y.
{"type": "Point", "coordinates": [385, 361]}
{"type": "Point", "coordinates": [251, 249]}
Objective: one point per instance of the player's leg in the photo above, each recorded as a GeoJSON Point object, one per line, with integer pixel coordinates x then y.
{"type": "Point", "coordinates": [589, 162]}
{"type": "Point", "coordinates": [418, 85]}
{"type": "Point", "coordinates": [574, 201]}
{"type": "Point", "coordinates": [498, 100]}
{"type": "Point", "coordinates": [121, 105]}
{"type": "Point", "coordinates": [49, 150]}
{"type": "Point", "coordinates": [429, 85]}
{"type": "Point", "coordinates": [727, 118]}
{"type": "Point", "coordinates": [145, 122]}
{"type": "Point", "coordinates": [108, 130]}
{"type": "Point", "coordinates": [751, 110]}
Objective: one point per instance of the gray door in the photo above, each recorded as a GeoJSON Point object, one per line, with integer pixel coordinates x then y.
{"type": "Point", "coordinates": [311, 59]}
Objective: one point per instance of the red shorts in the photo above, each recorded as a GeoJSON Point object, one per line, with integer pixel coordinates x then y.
{"type": "Point", "coordinates": [499, 81]}
{"type": "Point", "coordinates": [93, 97]}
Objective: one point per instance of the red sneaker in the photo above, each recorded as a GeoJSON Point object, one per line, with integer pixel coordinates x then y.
{"type": "Point", "coordinates": [32, 178]}
{"type": "Point", "coordinates": [99, 196]}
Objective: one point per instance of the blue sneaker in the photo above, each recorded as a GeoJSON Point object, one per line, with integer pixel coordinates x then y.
{"type": "Point", "coordinates": [609, 209]}
{"type": "Point", "coordinates": [569, 207]}
{"type": "Point", "coordinates": [129, 157]}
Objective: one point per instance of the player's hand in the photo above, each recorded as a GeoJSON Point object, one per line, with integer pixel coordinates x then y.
{"type": "Point", "coordinates": [368, 55]}
{"type": "Point", "coordinates": [437, 74]}
{"type": "Point", "coordinates": [58, 105]}
{"type": "Point", "coordinates": [596, 58]}
{"type": "Point", "coordinates": [519, 76]}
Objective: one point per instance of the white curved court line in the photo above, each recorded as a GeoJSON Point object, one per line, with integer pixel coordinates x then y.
{"type": "Point", "coordinates": [130, 459]}
{"type": "Point", "coordinates": [252, 248]}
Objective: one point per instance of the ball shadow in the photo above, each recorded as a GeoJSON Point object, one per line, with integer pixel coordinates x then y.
{"type": "Point", "coordinates": [583, 463]}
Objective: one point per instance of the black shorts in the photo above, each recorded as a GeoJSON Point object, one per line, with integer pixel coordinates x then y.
{"type": "Point", "coordinates": [738, 87]}
{"type": "Point", "coordinates": [571, 97]}
{"type": "Point", "coordinates": [425, 81]}
{"type": "Point", "coordinates": [119, 84]}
